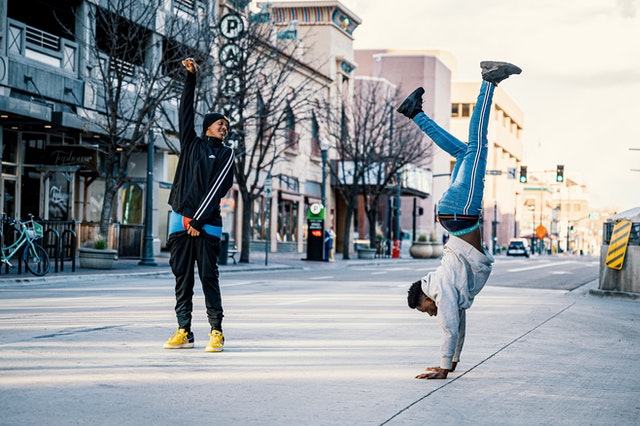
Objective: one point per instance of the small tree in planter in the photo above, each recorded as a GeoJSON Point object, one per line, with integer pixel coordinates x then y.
{"type": "Point", "coordinates": [98, 256]}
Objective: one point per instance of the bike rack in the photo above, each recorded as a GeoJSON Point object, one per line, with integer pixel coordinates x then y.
{"type": "Point", "coordinates": [69, 244]}
{"type": "Point", "coordinates": [3, 225]}
{"type": "Point", "coordinates": [53, 245]}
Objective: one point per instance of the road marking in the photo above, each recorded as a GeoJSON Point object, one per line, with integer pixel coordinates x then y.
{"type": "Point", "coordinates": [379, 273]}
{"type": "Point", "coordinates": [544, 265]}
{"type": "Point", "coordinates": [326, 277]}
{"type": "Point", "coordinates": [245, 283]}
{"type": "Point", "coordinates": [293, 302]}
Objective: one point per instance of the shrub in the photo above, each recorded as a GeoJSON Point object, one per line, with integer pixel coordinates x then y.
{"type": "Point", "coordinates": [99, 243]}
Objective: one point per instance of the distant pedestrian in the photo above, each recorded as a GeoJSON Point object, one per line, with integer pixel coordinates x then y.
{"type": "Point", "coordinates": [466, 264]}
{"type": "Point", "coordinates": [203, 176]}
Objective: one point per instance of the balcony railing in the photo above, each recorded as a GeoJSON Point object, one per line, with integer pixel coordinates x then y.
{"type": "Point", "coordinates": [33, 43]}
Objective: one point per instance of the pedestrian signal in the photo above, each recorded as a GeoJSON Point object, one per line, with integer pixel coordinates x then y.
{"type": "Point", "coordinates": [523, 174]}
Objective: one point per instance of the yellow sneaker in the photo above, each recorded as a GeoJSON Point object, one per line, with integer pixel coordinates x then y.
{"type": "Point", "coordinates": [180, 340]}
{"type": "Point", "coordinates": [216, 342]}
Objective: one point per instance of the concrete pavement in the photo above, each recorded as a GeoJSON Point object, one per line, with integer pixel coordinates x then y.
{"type": "Point", "coordinates": [89, 351]}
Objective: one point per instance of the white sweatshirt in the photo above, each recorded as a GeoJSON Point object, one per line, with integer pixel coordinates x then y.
{"type": "Point", "coordinates": [462, 273]}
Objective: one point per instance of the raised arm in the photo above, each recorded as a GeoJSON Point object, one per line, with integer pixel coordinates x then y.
{"type": "Point", "coordinates": [187, 111]}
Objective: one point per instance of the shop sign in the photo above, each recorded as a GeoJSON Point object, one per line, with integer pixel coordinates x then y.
{"type": "Point", "coordinates": [72, 155]}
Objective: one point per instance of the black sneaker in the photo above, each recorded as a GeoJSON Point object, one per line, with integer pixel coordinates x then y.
{"type": "Point", "coordinates": [411, 106]}
{"type": "Point", "coordinates": [494, 72]}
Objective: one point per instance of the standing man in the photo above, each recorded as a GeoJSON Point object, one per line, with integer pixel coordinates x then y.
{"type": "Point", "coordinates": [465, 265]}
{"type": "Point", "coordinates": [203, 176]}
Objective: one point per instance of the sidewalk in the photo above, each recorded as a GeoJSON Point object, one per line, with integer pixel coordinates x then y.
{"type": "Point", "coordinates": [314, 352]}
{"type": "Point", "coordinates": [132, 267]}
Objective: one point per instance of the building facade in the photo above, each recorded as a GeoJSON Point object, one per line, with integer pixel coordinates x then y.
{"type": "Point", "coordinates": [53, 168]}
{"type": "Point", "coordinates": [408, 70]}
{"type": "Point", "coordinates": [450, 103]}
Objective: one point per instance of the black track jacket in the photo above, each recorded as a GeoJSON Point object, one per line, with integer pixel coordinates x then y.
{"type": "Point", "coordinates": [205, 169]}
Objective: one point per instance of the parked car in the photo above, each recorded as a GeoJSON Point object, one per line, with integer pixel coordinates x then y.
{"type": "Point", "coordinates": [518, 248]}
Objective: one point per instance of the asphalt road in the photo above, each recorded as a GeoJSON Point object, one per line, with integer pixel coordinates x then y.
{"type": "Point", "coordinates": [541, 272]}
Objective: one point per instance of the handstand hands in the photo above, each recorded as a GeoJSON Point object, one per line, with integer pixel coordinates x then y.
{"type": "Point", "coordinates": [437, 372]}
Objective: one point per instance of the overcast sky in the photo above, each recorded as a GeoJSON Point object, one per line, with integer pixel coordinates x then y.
{"type": "Point", "coordinates": [580, 86]}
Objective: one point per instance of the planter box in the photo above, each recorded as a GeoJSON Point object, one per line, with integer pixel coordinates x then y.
{"type": "Point", "coordinates": [421, 250]}
{"type": "Point", "coordinates": [366, 253]}
{"type": "Point", "coordinates": [91, 258]}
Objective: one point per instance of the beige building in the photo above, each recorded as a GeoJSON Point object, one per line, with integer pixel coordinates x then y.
{"type": "Point", "coordinates": [562, 208]}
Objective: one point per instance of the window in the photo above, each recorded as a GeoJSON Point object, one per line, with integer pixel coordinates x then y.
{"type": "Point", "coordinates": [258, 225]}
{"type": "Point", "coordinates": [132, 195]}
{"type": "Point", "coordinates": [261, 123]}
{"type": "Point", "coordinates": [289, 183]}
{"type": "Point", "coordinates": [122, 40]}
{"type": "Point", "coordinates": [461, 110]}
{"type": "Point", "coordinates": [315, 136]}
{"type": "Point", "coordinates": [290, 129]}
{"type": "Point", "coordinates": [287, 220]}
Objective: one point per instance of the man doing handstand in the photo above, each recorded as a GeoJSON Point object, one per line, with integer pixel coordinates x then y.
{"type": "Point", "coordinates": [465, 265]}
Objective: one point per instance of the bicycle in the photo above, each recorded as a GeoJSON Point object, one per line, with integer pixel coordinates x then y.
{"type": "Point", "coordinates": [34, 255]}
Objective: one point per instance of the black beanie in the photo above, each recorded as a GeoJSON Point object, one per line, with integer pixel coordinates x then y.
{"type": "Point", "coordinates": [211, 118]}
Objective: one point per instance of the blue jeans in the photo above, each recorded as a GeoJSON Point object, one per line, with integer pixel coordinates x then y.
{"type": "Point", "coordinates": [464, 196]}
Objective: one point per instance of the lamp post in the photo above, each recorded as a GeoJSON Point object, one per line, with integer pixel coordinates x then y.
{"type": "Point", "coordinates": [147, 241]}
{"type": "Point", "coordinates": [494, 227]}
{"type": "Point", "coordinates": [324, 147]}
{"type": "Point", "coordinates": [397, 238]}
{"type": "Point", "coordinates": [533, 229]}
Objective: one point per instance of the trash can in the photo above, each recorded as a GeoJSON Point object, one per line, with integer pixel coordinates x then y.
{"type": "Point", "coordinates": [223, 257]}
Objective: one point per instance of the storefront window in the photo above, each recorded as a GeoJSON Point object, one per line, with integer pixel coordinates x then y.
{"type": "Point", "coordinates": [132, 194]}
{"type": "Point", "coordinates": [59, 204]}
{"type": "Point", "coordinates": [258, 220]}
{"type": "Point", "coordinates": [287, 220]}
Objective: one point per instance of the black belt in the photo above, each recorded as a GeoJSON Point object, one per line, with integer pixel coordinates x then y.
{"type": "Point", "coordinates": [457, 217]}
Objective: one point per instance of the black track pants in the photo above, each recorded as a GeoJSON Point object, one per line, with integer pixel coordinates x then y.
{"type": "Point", "coordinates": [187, 251]}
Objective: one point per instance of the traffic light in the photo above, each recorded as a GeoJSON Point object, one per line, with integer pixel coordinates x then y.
{"type": "Point", "coordinates": [560, 173]}
{"type": "Point", "coordinates": [523, 174]}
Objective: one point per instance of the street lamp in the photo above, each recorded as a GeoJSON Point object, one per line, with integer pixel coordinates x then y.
{"type": "Point", "coordinates": [397, 238]}
{"type": "Point", "coordinates": [324, 147]}
{"type": "Point", "coordinates": [494, 228]}
{"type": "Point", "coordinates": [532, 208]}
{"type": "Point", "coordinates": [147, 242]}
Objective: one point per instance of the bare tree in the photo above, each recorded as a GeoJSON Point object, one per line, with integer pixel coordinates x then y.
{"type": "Point", "coordinates": [372, 148]}
{"type": "Point", "coordinates": [265, 90]}
{"type": "Point", "coordinates": [133, 50]}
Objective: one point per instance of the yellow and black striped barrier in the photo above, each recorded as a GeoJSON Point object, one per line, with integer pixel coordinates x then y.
{"type": "Point", "coordinates": [618, 244]}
